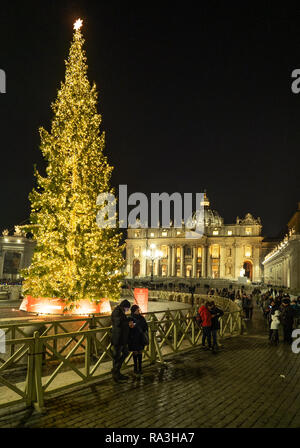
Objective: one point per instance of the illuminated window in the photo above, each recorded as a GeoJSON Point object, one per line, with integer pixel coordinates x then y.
{"type": "Point", "coordinates": [164, 233]}
{"type": "Point", "coordinates": [215, 251]}
{"type": "Point", "coordinates": [229, 232]}
{"type": "Point", "coordinates": [164, 250]}
{"type": "Point", "coordinates": [188, 271]}
{"type": "Point", "coordinates": [177, 272]}
{"type": "Point", "coordinates": [164, 270]}
{"type": "Point", "coordinates": [137, 234]}
{"type": "Point", "coordinates": [136, 252]}
{"type": "Point", "coordinates": [178, 232]}
{"type": "Point", "coordinates": [178, 252]}
{"type": "Point", "coordinates": [215, 232]}
{"type": "Point", "coordinates": [248, 231]}
{"type": "Point", "coordinates": [152, 235]}
{"type": "Point", "coordinates": [248, 251]}
{"type": "Point", "coordinates": [199, 252]}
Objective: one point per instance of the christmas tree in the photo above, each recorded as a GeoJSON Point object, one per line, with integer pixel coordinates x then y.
{"type": "Point", "coordinates": [74, 259]}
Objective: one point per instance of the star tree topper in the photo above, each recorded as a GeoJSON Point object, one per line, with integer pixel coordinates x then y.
{"type": "Point", "coordinates": [77, 24]}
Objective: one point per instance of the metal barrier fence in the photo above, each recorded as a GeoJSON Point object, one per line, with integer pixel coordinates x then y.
{"type": "Point", "coordinates": [56, 359]}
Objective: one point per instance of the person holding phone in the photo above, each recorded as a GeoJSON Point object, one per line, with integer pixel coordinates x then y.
{"type": "Point", "coordinates": [138, 338]}
{"type": "Point", "coordinates": [119, 338]}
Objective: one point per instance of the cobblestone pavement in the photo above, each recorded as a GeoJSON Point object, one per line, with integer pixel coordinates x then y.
{"type": "Point", "coordinates": [248, 384]}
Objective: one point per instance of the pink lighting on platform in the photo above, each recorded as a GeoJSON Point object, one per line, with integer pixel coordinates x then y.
{"type": "Point", "coordinates": [44, 305]}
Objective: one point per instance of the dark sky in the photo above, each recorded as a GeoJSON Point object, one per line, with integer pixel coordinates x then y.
{"type": "Point", "coordinates": [191, 98]}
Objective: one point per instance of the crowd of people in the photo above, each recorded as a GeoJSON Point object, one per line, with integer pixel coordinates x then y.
{"type": "Point", "coordinates": [6, 282]}
{"type": "Point", "coordinates": [279, 311]}
{"type": "Point", "coordinates": [130, 333]}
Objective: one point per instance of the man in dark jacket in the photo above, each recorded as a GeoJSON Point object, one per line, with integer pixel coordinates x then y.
{"type": "Point", "coordinates": [119, 338]}
{"type": "Point", "coordinates": [287, 320]}
{"type": "Point", "coordinates": [215, 324]}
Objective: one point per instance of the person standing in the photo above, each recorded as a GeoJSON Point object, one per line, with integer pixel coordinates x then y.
{"type": "Point", "coordinates": [138, 338]}
{"type": "Point", "coordinates": [287, 319]}
{"type": "Point", "coordinates": [205, 316]}
{"type": "Point", "coordinates": [250, 306]}
{"type": "Point", "coordinates": [215, 323]}
{"type": "Point", "coordinates": [245, 306]}
{"type": "Point", "coordinates": [274, 328]}
{"type": "Point", "coordinates": [119, 338]}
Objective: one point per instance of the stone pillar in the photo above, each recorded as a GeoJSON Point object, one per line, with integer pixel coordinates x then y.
{"type": "Point", "coordinates": [204, 261]}
{"type": "Point", "coordinates": [182, 273]}
{"type": "Point", "coordinates": [208, 269]}
{"type": "Point", "coordinates": [169, 261]}
{"type": "Point", "coordinates": [130, 262]}
{"type": "Point", "coordinates": [234, 268]}
{"type": "Point", "coordinates": [143, 263]}
{"type": "Point", "coordinates": [222, 262]}
{"type": "Point", "coordinates": [156, 267]}
{"type": "Point", "coordinates": [194, 272]}
{"type": "Point", "coordinates": [173, 261]}
{"type": "Point", "coordinates": [1, 263]}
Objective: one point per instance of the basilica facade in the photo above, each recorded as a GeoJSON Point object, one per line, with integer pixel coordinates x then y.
{"type": "Point", "coordinates": [228, 251]}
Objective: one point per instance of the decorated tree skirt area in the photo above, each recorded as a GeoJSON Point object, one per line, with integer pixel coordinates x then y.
{"type": "Point", "coordinates": [56, 306]}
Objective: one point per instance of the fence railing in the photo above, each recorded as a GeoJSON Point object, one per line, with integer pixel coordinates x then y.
{"type": "Point", "coordinates": [55, 358]}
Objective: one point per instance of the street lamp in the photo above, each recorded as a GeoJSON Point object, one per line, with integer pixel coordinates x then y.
{"type": "Point", "coordinates": [153, 254]}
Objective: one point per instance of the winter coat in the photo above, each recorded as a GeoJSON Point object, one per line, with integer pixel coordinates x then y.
{"type": "Point", "coordinates": [205, 316]}
{"type": "Point", "coordinates": [216, 313]}
{"type": "Point", "coordinates": [136, 340]}
{"type": "Point", "coordinates": [287, 316]}
{"type": "Point", "coordinates": [250, 302]}
{"type": "Point", "coordinates": [245, 302]}
{"type": "Point", "coordinates": [275, 322]}
{"type": "Point", "coordinates": [120, 327]}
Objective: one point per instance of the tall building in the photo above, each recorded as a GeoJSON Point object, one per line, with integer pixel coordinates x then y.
{"type": "Point", "coordinates": [224, 251]}
{"type": "Point", "coordinates": [282, 264]}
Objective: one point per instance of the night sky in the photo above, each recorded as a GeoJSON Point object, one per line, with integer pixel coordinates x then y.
{"type": "Point", "coordinates": [191, 98]}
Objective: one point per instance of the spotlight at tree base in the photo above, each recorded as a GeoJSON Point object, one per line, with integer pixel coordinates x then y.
{"type": "Point", "coordinates": [55, 306]}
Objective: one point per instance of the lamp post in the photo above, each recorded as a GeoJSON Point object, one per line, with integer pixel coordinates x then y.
{"type": "Point", "coordinates": [153, 254]}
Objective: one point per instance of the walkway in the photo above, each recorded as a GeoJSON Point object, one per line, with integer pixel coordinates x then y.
{"type": "Point", "coordinates": [247, 384]}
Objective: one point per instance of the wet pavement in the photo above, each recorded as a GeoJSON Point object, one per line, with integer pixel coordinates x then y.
{"type": "Point", "coordinates": [248, 384]}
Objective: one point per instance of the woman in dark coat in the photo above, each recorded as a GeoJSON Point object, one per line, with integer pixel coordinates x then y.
{"type": "Point", "coordinates": [138, 337]}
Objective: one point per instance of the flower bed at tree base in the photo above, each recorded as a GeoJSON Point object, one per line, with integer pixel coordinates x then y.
{"type": "Point", "coordinates": [46, 305]}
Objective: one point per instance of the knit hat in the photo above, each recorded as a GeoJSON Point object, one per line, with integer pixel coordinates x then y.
{"type": "Point", "coordinates": [125, 304]}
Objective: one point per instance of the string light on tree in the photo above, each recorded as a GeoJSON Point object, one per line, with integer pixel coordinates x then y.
{"type": "Point", "coordinates": [73, 256]}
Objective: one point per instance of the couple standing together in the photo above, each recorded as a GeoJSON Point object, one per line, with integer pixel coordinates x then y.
{"type": "Point", "coordinates": [208, 318]}
{"type": "Point", "coordinates": [129, 334]}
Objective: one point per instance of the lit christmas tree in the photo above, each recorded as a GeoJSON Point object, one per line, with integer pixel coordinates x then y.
{"type": "Point", "coordinates": [74, 259]}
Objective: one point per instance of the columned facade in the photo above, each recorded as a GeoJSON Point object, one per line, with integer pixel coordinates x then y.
{"type": "Point", "coordinates": [282, 264]}
{"type": "Point", "coordinates": [223, 251]}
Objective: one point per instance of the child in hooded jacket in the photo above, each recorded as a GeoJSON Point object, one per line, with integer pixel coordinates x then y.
{"type": "Point", "coordinates": [274, 327]}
